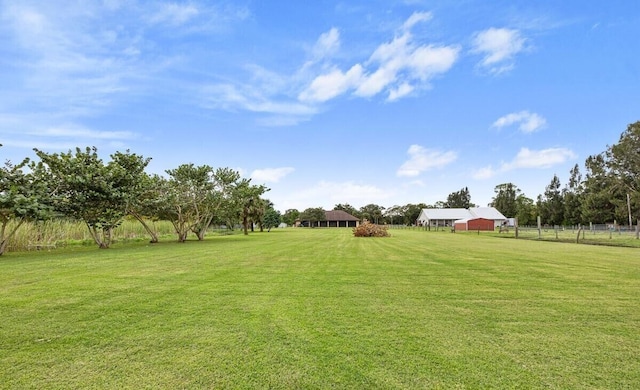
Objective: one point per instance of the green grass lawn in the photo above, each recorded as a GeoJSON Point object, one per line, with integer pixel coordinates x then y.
{"type": "Point", "coordinates": [318, 308]}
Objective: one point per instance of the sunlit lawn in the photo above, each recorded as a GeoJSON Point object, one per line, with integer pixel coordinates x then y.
{"type": "Point", "coordinates": [318, 308]}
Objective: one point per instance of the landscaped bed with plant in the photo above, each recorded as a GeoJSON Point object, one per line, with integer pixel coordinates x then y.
{"type": "Point", "coordinates": [320, 308]}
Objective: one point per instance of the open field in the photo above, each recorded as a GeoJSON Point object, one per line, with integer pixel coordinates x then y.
{"type": "Point", "coordinates": [318, 308]}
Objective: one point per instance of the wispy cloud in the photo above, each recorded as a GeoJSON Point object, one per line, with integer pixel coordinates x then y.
{"type": "Point", "coordinates": [528, 122]}
{"type": "Point", "coordinates": [422, 159]}
{"type": "Point", "coordinates": [271, 175]}
{"type": "Point", "coordinates": [499, 46]}
{"type": "Point", "coordinates": [396, 68]}
{"type": "Point", "coordinates": [528, 159]}
{"type": "Point", "coordinates": [173, 13]}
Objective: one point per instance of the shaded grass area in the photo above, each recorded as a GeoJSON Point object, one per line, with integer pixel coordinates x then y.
{"type": "Point", "coordinates": [318, 308]}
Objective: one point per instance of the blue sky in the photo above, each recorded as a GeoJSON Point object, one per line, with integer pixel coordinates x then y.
{"type": "Point", "coordinates": [326, 102]}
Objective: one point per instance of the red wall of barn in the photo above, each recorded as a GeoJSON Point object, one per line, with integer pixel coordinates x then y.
{"type": "Point", "coordinates": [481, 224]}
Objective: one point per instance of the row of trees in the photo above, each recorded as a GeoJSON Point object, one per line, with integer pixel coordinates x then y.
{"type": "Point", "coordinates": [609, 191]}
{"type": "Point", "coordinates": [80, 186]}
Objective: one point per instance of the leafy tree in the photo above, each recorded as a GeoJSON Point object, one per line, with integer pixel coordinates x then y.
{"type": "Point", "coordinates": [551, 206]}
{"type": "Point", "coordinates": [313, 215]}
{"type": "Point", "coordinates": [88, 190]}
{"type": "Point", "coordinates": [623, 162]}
{"type": "Point", "coordinates": [290, 216]}
{"type": "Point", "coordinates": [272, 218]}
{"type": "Point", "coordinates": [251, 206]}
{"type": "Point", "coordinates": [440, 205]}
{"type": "Point", "coordinates": [348, 209]}
{"type": "Point", "coordinates": [406, 215]}
{"type": "Point", "coordinates": [148, 202]}
{"type": "Point", "coordinates": [505, 199]}
{"type": "Point", "coordinates": [526, 211]}
{"type": "Point", "coordinates": [372, 212]}
{"type": "Point", "coordinates": [459, 199]}
{"type": "Point", "coordinates": [394, 215]}
{"type": "Point", "coordinates": [597, 205]}
{"type": "Point", "coordinates": [23, 197]}
{"type": "Point", "coordinates": [572, 197]}
{"type": "Point", "coordinates": [193, 196]}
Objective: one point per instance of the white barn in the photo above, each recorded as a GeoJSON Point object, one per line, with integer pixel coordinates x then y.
{"type": "Point", "coordinates": [446, 217]}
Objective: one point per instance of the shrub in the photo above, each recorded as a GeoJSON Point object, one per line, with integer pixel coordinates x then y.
{"type": "Point", "coordinates": [368, 229]}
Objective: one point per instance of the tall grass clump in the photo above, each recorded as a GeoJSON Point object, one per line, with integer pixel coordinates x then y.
{"type": "Point", "coordinates": [60, 232]}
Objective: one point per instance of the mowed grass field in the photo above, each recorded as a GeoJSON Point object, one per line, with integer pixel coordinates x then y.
{"type": "Point", "coordinates": [318, 308]}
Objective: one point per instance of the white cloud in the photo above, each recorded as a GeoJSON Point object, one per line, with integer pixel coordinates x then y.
{"type": "Point", "coordinates": [415, 18]}
{"type": "Point", "coordinates": [174, 14]}
{"type": "Point", "coordinates": [499, 47]}
{"type": "Point", "coordinates": [271, 175]}
{"type": "Point", "coordinates": [544, 158]}
{"type": "Point", "coordinates": [402, 90]}
{"type": "Point", "coordinates": [422, 159]}
{"type": "Point", "coordinates": [528, 159]}
{"type": "Point", "coordinates": [397, 68]}
{"type": "Point", "coordinates": [232, 97]}
{"type": "Point", "coordinates": [528, 122]}
{"type": "Point", "coordinates": [328, 86]}
{"type": "Point", "coordinates": [327, 44]}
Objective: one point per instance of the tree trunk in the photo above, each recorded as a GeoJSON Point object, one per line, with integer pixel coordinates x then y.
{"type": "Point", "coordinates": [5, 237]}
{"type": "Point", "coordinates": [245, 222]}
{"type": "Point", "coordinates": [3, 246]}
{"type": "Point", "coordinates": [147, 228]}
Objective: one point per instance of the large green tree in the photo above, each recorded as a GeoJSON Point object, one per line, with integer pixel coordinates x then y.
{"type": "Point", "coordinates": [23, 197]}
{"type": "Point", "coordinates": [272, 218]}
{"type": "Point", "coordinates": [505, 199]}
{"type": "Point", "coordinates": [372, 212]}
{"type": "Point", "coordinates": [551, 206]}
{"type": "Point", "coordinates": [623, 162]}
{"type": "Point", "coordinates": [250, 206]}
{"type": "Point", "coordinates": [313, 215]}
{"type": "Point", "coordinates": [572, 197]}
{"type": "Point", "coordinates": [83, 187]}
{"type": "Point", "coordinates": [597, 204]}
{"type": "Point", "coordinates": [193, 195]}
{"type": "Point", "coordinates": [526, 211]}
{"type": "Point", "coordinates": [290, 216]}
{"type": "Point", "coordinates": [459, 199]}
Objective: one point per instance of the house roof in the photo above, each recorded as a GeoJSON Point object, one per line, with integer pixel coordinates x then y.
{"type": "Point", "coordinates": [487, 213]}
{"type": "Point", "coordinates": [446, 214]}
{"type": "Point", "coordinates": [459, 213]}
{"type": "Point", "coordinates": [339, 215]}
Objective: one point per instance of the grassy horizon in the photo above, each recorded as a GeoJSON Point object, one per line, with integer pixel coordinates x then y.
{"type": "Point", "coordinates": [318, 308]}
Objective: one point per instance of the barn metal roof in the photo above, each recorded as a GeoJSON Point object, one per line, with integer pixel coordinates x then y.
{"type": "Point", "coordinates": [459, 213]}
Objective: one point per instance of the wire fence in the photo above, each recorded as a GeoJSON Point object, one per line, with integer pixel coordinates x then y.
{"type": "Point", "coordinates": [601, 234]}
{"type": "Point", "coordinates": [596, 234]}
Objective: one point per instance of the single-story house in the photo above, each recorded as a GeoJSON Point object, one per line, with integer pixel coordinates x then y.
{"type": "Point", "coordinates": [447, 217]}
{"type": "Point", "coordinates": [334, 218]}
{"type": "Point", "coordinates": [474, 224]}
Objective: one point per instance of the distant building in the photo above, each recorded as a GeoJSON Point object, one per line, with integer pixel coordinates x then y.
{"type": "Point", "coordinates": [434, 218]}
{"type": "Point", "coordinates": [334, 218]}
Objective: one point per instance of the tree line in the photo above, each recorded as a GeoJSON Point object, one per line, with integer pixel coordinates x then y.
{"type": "Point", "coordinates": [79, 185]}
{"type": "Point", "coordinates": [608, 191]}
